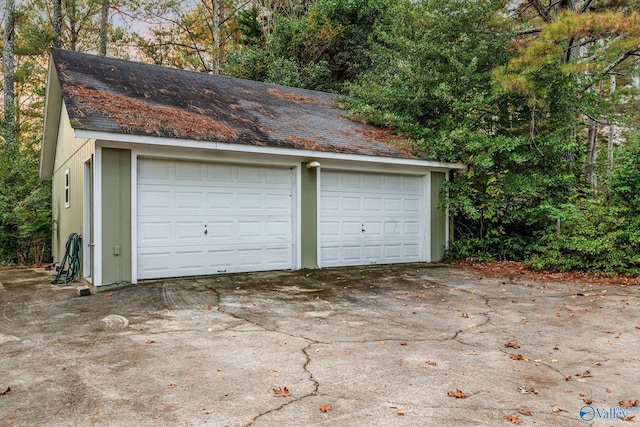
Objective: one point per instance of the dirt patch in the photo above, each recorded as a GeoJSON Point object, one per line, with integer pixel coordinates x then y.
{"type": "Point", "coordinates": [140, 117]}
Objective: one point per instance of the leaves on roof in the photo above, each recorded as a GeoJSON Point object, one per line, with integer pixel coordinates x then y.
{"type": "Point", "coordinates": [137, 117]}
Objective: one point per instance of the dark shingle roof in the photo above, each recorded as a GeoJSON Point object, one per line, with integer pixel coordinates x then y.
{"type": "Point", "coordinates": [117, 96]}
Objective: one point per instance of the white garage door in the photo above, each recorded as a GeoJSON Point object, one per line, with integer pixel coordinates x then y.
{"type": "Point", "coordinates": [371, 218]}
{"type": "Point", "coordinates": [204, 218]}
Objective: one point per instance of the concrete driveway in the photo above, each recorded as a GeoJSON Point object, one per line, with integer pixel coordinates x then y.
{"type": "Point", "coordinates": [376, 346]}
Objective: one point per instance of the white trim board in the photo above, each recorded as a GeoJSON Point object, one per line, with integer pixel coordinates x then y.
{"type": "Point", "coordinates": [242, 148]}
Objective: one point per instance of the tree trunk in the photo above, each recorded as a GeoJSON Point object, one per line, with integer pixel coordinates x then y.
{"type": "Point", "coordinates": [104, 23]}
{"type": "Point", "coordinates": [610, 144]}
{"type": "Point", "coordinates": [215, 29]}
{"type": "Point", "coordinates": [57, 24]}
{"type": "Point", "coordinates": [9, 94]}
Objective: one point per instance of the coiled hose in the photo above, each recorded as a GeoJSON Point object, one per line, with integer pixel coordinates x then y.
{"type": "Point", "coordinates": [72, 257]}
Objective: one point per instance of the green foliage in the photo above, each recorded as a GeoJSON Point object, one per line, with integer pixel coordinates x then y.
{"type": "Point", "coordinates": [603, 233]}
{"type": "Point", "coordinates": [322, 50]}
{"type": "Point", "coordinates": [25, 207]}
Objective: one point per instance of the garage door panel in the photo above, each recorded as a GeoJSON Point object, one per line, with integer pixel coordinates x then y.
{"type": "Point", "coordinates": [246, 212]}
{"type": "Point", "coordinates": [191, 231]}
{"type": "Point", "coordinates": [188, 171]}
{"type": "Point", "coordinates": [388, 207]}
{"type": "Point", "coordinates": [189, 260]}
{"type": "Point", "coordinates": [150, 199]}
{"type": "Point", "coordinates": [150, 233]}
{"type": "Point", "coordinates": [218, 173]}
{"type": "Point", "coordinates": [190, 200]}
{"type": "Point", "coordinates": [352, 253]}
{"type": "Point", "coordinates": [219, 201]}
{"type": "Point", "coordinates": [155, 263]}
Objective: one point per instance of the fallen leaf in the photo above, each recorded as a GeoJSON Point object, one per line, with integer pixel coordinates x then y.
{"type": "Point", "coordinates": [422, 296]}
{"type": "Point", "coordinates": [516, 356]}
{"type": "Point", "coordinates": [207, 308]}
{"type": "Point", "coordinates": [514, 419]}
{"type": "Point", "coordinates": [399, 412]}
{"type": "Point", "coordinates": [403, 343]}
{"type": "Point", "coordinates": [554, 360]}
{"type": "Point", "coordinates": [207, 411]}
{"type": "Point", "coordinates": [325, 408]}
{"type": "Point", "coordinates": [465, 315]}
{"type": "Point", "coordinates": [5, 391]}
{"type": "Point", "coordinates": [281, 392]}
{"type": "Point", "coordinates": [637, 327]}
{"type": "Point", "coordinates": [383, 342]}
{"type": "Point", "coordinates": [556, 409]}
{"type": "Point", "coordinates": [628, 418]}
{"type": "Point", "coordinates": [567, 377]}
{"type": "Point", "coordinates": [219, 369]}
{"type": "Point", "coordinates": [616, 373]}
{"type": "Point", "coordinates": [149, 342]}
{"type": "Point", "coordinates": [172, 386]}
{"type": "Point", "coordinates": [585, 374]}
{"type": "Point", "coordinates": [525, 412]}
{"type": "Point", "coordinates": [109, 294]}
{"type": "Point", "coordinates": [512, 344]}
{"type": "Point", "coordinates": [588, 401]}
{"type": "Point", "coordinates": [430, 363]}
{"type": "Point", "coordinates": [596, 363]}
{"type": "Point", "coordinates": [458, 394]}
{"type": "Point", "coordinates": [629, 404]}
{"type": "Point", "coordinates": [608, 390]}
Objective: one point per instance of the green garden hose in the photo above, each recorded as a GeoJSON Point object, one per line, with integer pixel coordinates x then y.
{"type": "Point", "coordinates": [72, 256]}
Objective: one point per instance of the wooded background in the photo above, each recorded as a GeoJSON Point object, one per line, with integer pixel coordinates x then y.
{"type": "Point", "coordinates": [538, 97]}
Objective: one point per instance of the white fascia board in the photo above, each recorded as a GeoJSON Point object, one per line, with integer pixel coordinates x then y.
{"type": "Point", "coordinates": [254, 149]}
{"type": "Point", "coordinates": [51, 122]}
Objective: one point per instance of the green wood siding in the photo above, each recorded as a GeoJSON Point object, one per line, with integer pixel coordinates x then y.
{"type": "Point", "coordinates": [71, 154]}
{"type": "Point", "coordinates": [116, 216]}
{"type": "Point", "coordinates": [438, 217]}
{"type": "Point", "coordinates": [309, 202]}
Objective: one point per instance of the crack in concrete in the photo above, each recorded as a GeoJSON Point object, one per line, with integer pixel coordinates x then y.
{"type": "Point", "coordinates": [314, 392]}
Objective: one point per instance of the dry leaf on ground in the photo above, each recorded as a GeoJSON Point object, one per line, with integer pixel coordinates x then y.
{"type": "Point", "coordinates": [458, 394]}
{"type": "Point", "coordinates": [512, 344]}
{"type": "Point", "coordinates": [5, 391]}
{"type": "Point", "coordinates": [629, 404]}
{"type": "Point", "coordinates": [399, 412]}
{"type": "Point", "coordinates": [514, 419]}
{"type": "Point", "coordinates": [281, 392]}
{"type": "Point", "coordinates": [525, 412]}
{"type": "Point", "coordinates": [628, 418]}
{"type": "Point", "coordinates": [516, 356]}
{"type": "Point", "coordinates": [430, 363]}
{"type": "Point", "coordinates": [325, 408]}
{"type": "Point", "coordinates": [172, 386]}
{"type": "Point", "coordinates": [587, 400]}
{"type": "Point", "coordinates": [422, 296]}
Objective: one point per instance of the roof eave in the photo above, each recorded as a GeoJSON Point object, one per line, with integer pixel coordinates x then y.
{"type": "Point", "coordinates": [52, 110]}
{"type": "Point", "coordinates": [245, 148]}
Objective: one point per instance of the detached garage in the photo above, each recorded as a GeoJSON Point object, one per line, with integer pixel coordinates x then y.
{"type": "Point", "coordinates": [170, 173]}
